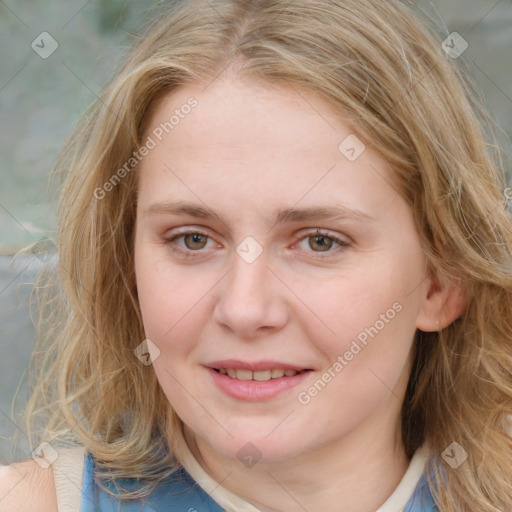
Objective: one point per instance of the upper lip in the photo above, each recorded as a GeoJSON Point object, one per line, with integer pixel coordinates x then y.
{"type": "Point", "coordinates": [254, 365]}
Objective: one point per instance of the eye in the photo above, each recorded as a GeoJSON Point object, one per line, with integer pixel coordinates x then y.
{"type": "Point", "coordinates": [192, 241]}
{"type": "Point", "coordinates": [322, 242]}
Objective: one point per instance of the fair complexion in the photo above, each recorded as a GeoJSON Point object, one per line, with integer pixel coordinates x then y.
{"type": "Point", "coordinates": [247, 151]}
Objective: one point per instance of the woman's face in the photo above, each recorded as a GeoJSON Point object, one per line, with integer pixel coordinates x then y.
{"type": "Point", "coordinates": [270, 240]}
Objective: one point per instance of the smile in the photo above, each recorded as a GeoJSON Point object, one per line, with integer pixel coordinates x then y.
{"type": "Point", "coordinates": [257, 384]}
{"type": "Point", "coordinates": [260, 375]}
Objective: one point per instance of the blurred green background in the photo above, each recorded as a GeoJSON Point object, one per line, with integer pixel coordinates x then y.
{"type": "Point", "coordinates": [42, 99]}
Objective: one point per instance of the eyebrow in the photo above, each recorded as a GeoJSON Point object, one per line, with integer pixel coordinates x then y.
{"type": "Point", "coordinates": [280, 216]}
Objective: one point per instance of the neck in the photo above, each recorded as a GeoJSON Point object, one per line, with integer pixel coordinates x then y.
{"type": "Point", "coordinates": [356, 474]}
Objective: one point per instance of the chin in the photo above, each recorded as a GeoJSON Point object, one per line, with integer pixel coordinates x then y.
{"type": "Point", "coordinates": [250, 449]}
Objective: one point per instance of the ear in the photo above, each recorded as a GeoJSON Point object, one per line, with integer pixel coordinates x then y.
{"type": "Point", "coordinates": [444, 302]}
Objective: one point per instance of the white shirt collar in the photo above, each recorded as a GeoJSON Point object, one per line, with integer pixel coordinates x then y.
{"type": "Point", "coordinates": [232, 503]}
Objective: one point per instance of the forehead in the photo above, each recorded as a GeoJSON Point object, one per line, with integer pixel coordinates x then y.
{"type": "Point", "coordinates": [230, 108]}
{"type": "Point", "coordinates": [257, 140]}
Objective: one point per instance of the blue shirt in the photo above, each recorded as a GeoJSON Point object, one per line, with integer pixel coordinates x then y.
{"type": "Point", "coordinates": [180, 493]}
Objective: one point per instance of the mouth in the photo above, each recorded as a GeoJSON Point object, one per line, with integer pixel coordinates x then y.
{"type": "Point", "coordinates": [259, 375]}
{"type": "Point", "coordinates": [256, 380]}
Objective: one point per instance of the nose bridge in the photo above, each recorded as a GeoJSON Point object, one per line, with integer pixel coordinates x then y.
{"type": "Point", "coordinates": [248, 281]}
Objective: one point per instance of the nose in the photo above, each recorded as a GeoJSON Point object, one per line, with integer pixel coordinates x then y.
{"type": "Point", "coordinates": [251, 300]}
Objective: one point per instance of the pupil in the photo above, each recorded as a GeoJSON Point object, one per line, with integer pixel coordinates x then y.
{"type": "Point", "coordinates": [322, 242]}
{"type": "Point", "coordinates": [195, 240]}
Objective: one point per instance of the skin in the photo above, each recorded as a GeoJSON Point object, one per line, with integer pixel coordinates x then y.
{"type": "Point", "coordinates": [247, 150]}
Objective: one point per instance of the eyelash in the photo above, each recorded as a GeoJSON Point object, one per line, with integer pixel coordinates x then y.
{"type": "Point", "coordinates": [188, 253]}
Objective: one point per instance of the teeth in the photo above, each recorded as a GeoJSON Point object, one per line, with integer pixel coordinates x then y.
{"type": "Point", "coordinates": [260, 375]}
{"type": "Point", "coordinates": [244, 374]}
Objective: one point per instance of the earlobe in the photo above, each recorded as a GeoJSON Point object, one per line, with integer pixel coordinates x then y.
{"type": "Point", "coordinates": [444, 303]}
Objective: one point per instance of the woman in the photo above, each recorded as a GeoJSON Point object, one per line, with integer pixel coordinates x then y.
{"type": "Point", "coordinates": [286, 267]}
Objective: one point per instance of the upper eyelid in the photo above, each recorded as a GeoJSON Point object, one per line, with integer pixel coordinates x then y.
{"type": "Point", "coordinates": [303, 232]}
{"type": "Point", "coordinates": [327, 232]}
{"type": "Point", "coordinates": [185, 230]}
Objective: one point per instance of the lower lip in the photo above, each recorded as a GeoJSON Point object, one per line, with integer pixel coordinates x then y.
{"type": "Point", "coordinates": [254, 391]}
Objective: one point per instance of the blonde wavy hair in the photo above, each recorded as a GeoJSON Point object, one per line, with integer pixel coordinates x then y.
{"type": "Point", "coordinates": [377, 63]}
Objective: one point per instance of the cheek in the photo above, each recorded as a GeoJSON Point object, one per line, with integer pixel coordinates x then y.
{"type": "Point", "coordinates": [156, 292]}
{"type": "Point", "coordinates": [364, 324]}
{"type": "Point", "coordinates": [367, 361]}
{"type": "Point", "coordinates": [341, 306]}
{"type": "Point", "coordinates": [171, 299]}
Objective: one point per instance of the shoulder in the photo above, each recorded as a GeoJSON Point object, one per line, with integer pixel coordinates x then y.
{"type": "Point", "coordinates": [25, 486]}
